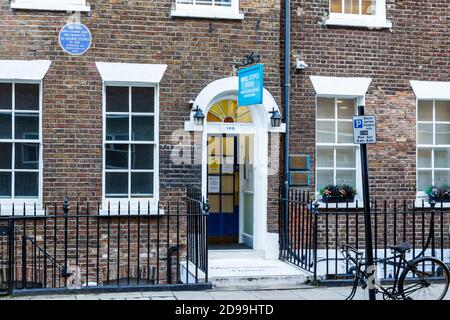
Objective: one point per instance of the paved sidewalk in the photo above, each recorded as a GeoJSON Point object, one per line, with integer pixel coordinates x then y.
{"type": "Point", "coordinates": [325, 293]}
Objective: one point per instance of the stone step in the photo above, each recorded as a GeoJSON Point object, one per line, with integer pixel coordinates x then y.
{"type": "Point", "coordinates": [235, 254]}
{"type": "Point", "coordinates": [239, 274]}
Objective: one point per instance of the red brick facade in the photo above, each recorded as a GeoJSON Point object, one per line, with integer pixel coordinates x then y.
{"type": "Point", "coordinates": [415, 48]}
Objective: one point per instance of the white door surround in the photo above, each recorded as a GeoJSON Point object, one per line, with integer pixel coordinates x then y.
{"type": "Point", "coordinates": [227, 88]}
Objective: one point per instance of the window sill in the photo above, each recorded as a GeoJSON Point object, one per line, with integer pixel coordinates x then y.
{"type": "Point", "coordinates": [357, 204]}
{"type": "Point", "coordinates": [364, 23]}
{"type": "Point", "coordinates": [423, 203]}
{"type": "Point", "coordinates": [7, 211]}
{"type": "Point", "coordinates": [132, 209]}
{"type": "Point", "coordinates": [207, 14]}
{"type": "Point", "coordinates": [50, 7]}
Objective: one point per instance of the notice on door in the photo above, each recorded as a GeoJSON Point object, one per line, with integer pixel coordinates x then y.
{"type": "Point", "coordinates": [213, 184]}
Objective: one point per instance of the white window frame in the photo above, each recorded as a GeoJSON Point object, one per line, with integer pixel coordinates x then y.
{"type": "Point", "coordinates": [420, 193]}
{"type": "Point", "coordinates": [360, 100]}
{"type": "Point", "coordinates": [110, 206]}
{"type": "Point", "coordinates": [197, 10]}
{"type": "Point", "coordinates": [16, 204]}
{"type": "Point", "coordinates": [52, 5]}
{"type": "Point", "coordinates": [376, 21]}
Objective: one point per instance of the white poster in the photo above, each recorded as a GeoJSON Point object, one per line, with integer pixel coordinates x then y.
{"type": "Point", "coordinates": [213, 184]}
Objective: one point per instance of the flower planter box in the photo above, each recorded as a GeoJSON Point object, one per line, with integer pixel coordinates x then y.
{"type": "Point", "coordinates": [439, 199]}
{"type": "Point", "coordinates": [338, 199]}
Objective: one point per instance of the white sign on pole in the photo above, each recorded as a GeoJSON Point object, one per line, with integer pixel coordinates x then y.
{"type": "Point", "coordinates": [364, 129]}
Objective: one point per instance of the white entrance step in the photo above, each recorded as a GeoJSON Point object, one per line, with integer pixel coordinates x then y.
{"type": "Point", "coordinates": [247, 270]}
{"type": "Point", "coordinates": [235, 254]}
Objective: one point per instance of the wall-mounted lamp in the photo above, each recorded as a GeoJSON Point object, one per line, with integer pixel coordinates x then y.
{"type": "Point", "coordinates": [199, 117]}
{"type": "Point", "coordinates": [275, 119]}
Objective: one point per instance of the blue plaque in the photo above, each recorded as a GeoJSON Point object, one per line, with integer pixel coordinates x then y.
{"type": "Point", "coordinates": [75, 38]}
{"type": "Point", "coordinates": [251, 81]}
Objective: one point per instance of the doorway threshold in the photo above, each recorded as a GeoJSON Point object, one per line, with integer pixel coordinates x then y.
{"type": "Point", "coordinates": [229, 246]}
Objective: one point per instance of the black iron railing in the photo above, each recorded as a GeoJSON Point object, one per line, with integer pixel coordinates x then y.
{"type": "Point", "coordinates": [312, 233]}
{"type": "Point", "coordinates": [86, 247]}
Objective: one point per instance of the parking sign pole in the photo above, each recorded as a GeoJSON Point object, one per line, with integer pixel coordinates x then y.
{"type": "Point", "coordinates": [367, 222]}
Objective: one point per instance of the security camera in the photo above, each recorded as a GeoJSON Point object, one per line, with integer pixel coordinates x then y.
{"type": "Point", "coordinates": [191, 103]}
{"type": "Point", "coordinates": [300, 65]}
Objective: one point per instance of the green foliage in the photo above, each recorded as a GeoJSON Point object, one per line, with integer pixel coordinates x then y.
{"type": "Point", "coordinates": [438, 192]}
{"type": "Point", "coordinates": [340, 190]}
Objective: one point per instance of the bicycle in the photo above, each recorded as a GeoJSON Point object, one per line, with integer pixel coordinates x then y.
{"type": "Point", "coordinates": [422, 278]}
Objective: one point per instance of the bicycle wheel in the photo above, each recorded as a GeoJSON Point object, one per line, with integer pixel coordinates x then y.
{"type": "Point", "coordinates": [426, 278]}
{"type": "Point", "coordinates": [359, 288]}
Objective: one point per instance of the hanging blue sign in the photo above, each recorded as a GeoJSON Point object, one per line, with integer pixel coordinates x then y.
{"type": "Point", "coordinates": [75, 38]}
{"type": "Point", "coordinates": [251, 81]}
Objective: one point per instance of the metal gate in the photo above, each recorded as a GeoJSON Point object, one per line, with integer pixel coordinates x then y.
{"type": "Point", "coordinates": [5, 261]}
{"type": "Point", "coordinates": [82, 247]}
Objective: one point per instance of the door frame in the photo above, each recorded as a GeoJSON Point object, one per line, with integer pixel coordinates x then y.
{"type": "Point", "coordinates": [261, 126]}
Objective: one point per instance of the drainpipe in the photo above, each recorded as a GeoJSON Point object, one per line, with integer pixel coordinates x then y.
{"type": "Point", "coordinates": [287, 87]}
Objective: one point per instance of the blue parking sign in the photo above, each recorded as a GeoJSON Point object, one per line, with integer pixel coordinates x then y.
{"type": "Point", "coordinates": [251, 82]}
{"type": "Point", "coordinates": [358, 123]}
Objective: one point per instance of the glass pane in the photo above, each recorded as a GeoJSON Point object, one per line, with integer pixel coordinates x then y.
{"type": "Point", "coordinates": [325, 157]}
{"type": "Point", "coordinates": [116, 156]}
{"type": "Point", "coordinates": [326, 132]}
{"type": "Point", "coordinates": [143, 99]}
{"type": "Point", "coordinates": [352, 6]}
{"type": "Point", "coordinates": [243, 114]}
{"type": "Point", "coordinates": [345, 132]}
{"type": "Point", "coordinates": [5, 155]}
{"type": "Point", "coordinates": [117, 128]}
{"type": "Point", "coordinates": [324, 177]}
{"type": "Point", "coordinates": [346, 108]}
{"type": "Point", "coordinates": [425, 134]}
{"type": "Point", "coordinates": [5, 184]}
{"type": "Point", "coordinates": [117, 99]}
{"type": "Point", "coordinates": [442, 110]}
{"type": "Point", "coordinates": [442, 133]}
{"type": "Point", "coordinates": [441, 177]}
{"type": "Point", "coordinates": [325, 108]}
{"type": "Point", "coordinates": [142, 184]}
{"type": "Point", "coordinates": [5, 126]}
{"type": "Point", "coordinates": [227, 184]}
{"type": "Point", "coordinates": [424, 158]}
{"type": "Point", "coordinates": [27, 96]}
{"type": "Point", "coordinates": [214, 146]}
{"type": "Point", "coordinates": [213, 165]}
{"type": "Point", "coordinates": [424, 180]}
{"type": "Point", "coordinates": [27, 126]}
{"type": "Point", "coordinates": [369, 7]}
{"type": "Point", "coordinates": [142, 156]}
{"type": "Point", "coordinates": [228, 146]}
{"type": "Point", "coordinates": [227, 204]}
{"type": "Point", "coordinates": [336, 6]}
{"type": "Point", "coordinates": [116, 184]}
{"type": "Point", "coordinates": [425, 110]}
{"type": "Point", "coordinates": [345, 157]}
{"type": "Point", "coordinates": [142, 128]}
{"type": "Point", "coordinates": [6, 96]}
{"type": "Point", "coordinates": [442, 158]}
{"type": "Point", "coordinates": [26, 184]}
{"type": "Point", "coordinates": [27, 156]}
{"type": "Point", "coordinates": [346, 177]}
{"type": "Point", "coordinates": [214, 201]}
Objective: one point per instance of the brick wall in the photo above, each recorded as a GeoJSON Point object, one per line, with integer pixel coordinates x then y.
{"type": "Point", "coordinates": [197, 51]}
{"type": "Point", "coordinates": [416, 48]}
